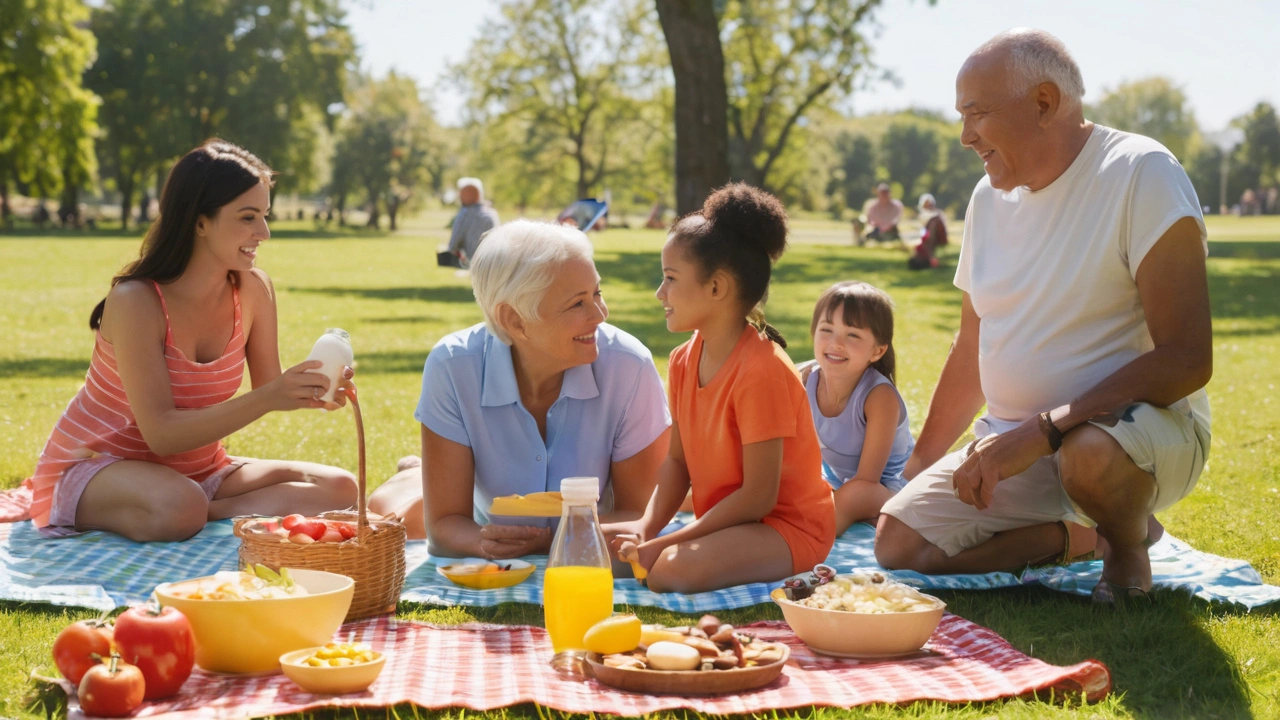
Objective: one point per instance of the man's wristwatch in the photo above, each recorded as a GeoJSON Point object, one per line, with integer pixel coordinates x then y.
{"type": "Point", "coordinates": [1051, 431]}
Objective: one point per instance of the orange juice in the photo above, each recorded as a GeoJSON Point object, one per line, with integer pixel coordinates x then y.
{"type": "Point", "coordinates": [574, 598]}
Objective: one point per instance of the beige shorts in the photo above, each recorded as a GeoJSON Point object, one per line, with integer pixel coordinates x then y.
{"type": "Point", "coordinates": [1166, 442]}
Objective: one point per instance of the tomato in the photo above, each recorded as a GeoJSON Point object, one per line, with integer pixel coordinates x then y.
{"type": "Point", "coordinates": [290, 521]}
{"type": "Point", "coordinates": [75, 646]}
{"type": "Point", "coordinates": [111, 689]}
{"type": "Point", "coordinates": [347, 529]}
{"type": "Point", "coordinates": [311, 526]}
{"type": "Point", "coordinates": [160, 643]}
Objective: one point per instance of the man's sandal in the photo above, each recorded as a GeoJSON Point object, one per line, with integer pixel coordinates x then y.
{"type": "Point", "coordinates": [1119, 596]}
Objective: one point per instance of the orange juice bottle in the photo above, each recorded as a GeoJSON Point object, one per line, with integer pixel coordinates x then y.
{"type": "Point", "coordinates": [578, 588]}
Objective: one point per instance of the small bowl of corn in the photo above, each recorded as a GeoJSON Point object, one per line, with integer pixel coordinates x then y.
{"type": "Point", "coordinates": [334, 668]}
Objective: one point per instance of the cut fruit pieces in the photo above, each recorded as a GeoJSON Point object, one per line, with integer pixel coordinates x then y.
{"type": "Point", "coordinates": [539, 504]}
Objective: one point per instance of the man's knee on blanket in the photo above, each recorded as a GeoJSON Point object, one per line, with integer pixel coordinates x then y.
{"type": "Point", "coordinates": [899, 547]}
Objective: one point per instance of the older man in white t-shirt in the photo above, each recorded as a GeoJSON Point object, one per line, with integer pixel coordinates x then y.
{"type": "Point", "coordinates": [1084, 329]}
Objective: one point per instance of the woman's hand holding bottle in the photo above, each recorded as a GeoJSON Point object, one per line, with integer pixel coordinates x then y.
{"type": "Point", "coordinates": [298, 387]}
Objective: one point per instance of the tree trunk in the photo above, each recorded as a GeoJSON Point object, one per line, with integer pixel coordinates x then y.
{"type": "Point", "coordinates": [393, 205]}
{"type": "Point", "coordinates": [581, 158]}
{"type": "Point", "coordinates": [692, 31]}
{"type": "Point", "coordinates": [373, 209]}
{"type": "Point", "coordinates": [124, 181]}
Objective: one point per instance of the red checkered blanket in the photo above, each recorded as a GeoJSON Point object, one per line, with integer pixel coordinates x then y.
{"type": "Point", "coordinates": [491, 666]}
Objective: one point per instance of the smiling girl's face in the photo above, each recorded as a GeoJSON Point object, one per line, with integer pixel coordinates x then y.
{"type": "Point", "coordinates": [844, 351]}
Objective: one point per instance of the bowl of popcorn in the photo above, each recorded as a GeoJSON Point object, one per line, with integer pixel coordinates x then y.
{"type": "Point", "coordinates": [333, 668]}
{"type": "Point", "coordinates": [862, 615]}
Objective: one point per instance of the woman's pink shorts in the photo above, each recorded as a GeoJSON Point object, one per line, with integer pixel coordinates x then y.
{"type": "Point", "coordinates": [66, 497]}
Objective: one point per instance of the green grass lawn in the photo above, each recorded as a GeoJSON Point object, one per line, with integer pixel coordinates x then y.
{"type": "Point", "coordinates": [1180, 658]}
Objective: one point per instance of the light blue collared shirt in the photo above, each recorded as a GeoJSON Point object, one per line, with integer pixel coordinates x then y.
{"type": "Point", "coordinates": [607, 411]}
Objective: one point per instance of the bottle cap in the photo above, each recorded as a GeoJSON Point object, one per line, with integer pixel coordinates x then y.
{"type": "Point", "coordinates": [580, 490]}
{"type": "Point", "coordinates": [339, 332]}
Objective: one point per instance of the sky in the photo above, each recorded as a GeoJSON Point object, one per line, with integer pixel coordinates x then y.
{"type": "Point", "coordinates": [1224, 54]}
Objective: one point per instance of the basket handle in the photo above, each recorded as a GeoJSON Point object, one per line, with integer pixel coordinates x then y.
{"type": "Point", "coordinates": [362, 512]}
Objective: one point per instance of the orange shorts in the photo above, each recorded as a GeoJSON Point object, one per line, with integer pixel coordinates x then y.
{"type": "Point", "coordinates": [806, 549]}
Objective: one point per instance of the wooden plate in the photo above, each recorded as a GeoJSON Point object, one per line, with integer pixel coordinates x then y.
{"type": "Point", "coordinates": [687, 682]}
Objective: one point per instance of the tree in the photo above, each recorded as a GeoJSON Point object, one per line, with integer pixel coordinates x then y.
{"type": "Point", "coordinates": [258, 72]}
{"type": "Point", "coordinates": [692, 31]}
{"type": "Point", "coordinates": [384, 143]}
{"type": "Point", "coordinates": [1261, 146]}
{"type": "Point", "coordinates": [579, 68]}
{"type": "Point", "coordinates": [46, 116]}
{"type": "Point", "coordinates": [855, 172]}
{"type": "Point", "coordinates": [783, 57]}
{"type": "Point", "coordinates": [909, 152]}
{"type": "Point", "coordinates": [780, 59]}
{"type": "Point", "coordinates": [1154, 107]}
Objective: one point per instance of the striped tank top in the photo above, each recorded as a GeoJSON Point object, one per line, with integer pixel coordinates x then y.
{"type": "Point", "coordinates": [99, 421]}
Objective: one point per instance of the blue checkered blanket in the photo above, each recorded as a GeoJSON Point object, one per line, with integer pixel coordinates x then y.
{"type": "Point", "coordinates": [102, 571]}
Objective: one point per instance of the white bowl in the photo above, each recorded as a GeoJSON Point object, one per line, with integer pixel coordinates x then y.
{"type": "Point", "coordinates": [842, 633]}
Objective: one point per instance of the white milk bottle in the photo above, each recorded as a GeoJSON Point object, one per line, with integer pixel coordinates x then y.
{"type": "Point", "coordinates": [334, 350]}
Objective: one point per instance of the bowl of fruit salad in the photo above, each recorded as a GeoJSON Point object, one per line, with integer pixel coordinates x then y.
{"type": "Point", "coordinates": [481, 574]}
{"type": "Point", "coordinates": [244, 621]}
{"type": "Point", "coordinates": [333, 668]}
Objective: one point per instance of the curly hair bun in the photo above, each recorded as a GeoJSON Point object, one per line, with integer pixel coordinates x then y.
{"type": "Point", "coordinates": [750, 214]}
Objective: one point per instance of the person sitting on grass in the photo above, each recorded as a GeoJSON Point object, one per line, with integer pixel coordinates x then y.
{"type": "Point", "coordinates": [861, 419]}
{"type": "Point", "coordinates": [883, 213]}
{"type": "Point", "coordinates": [544, 389]}
{"type": "Point", "coordinates": [742, 436]}
{"type": "Point", "coordinates": [138, 451]}
{"type": "Point", "coordinates": [933, 234]}
{"type": "Point", "coordinates": [1084, 329]}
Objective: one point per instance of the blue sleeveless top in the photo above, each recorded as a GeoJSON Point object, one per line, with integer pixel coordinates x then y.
{"type": "Point", "coordinates": [841, 437]}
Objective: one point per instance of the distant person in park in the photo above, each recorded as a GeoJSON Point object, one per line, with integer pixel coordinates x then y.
{"type": "Point", "coordinates": [138, 451]}
{"type": "Point", "coordinates": [475, 218]}
{"type": "Point", "coordinates": [882, 214]}
{"type": "Point", "coordinates": [1084, 330]}
{"type": "Point", "coordinates": [742, 434]}
{"type": "Point", "coordinates": [933, 234]}
{"type": "Point", "coordinates": [542, 390]}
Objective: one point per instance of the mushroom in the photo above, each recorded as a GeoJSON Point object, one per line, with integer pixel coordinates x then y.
{"type": "Point", "coordinates": [723, 634]}
{"type": "Point", "coordinates": [705, 647]}
{"type": "Point", "coordinates": [709, 624]}
{"type": "Point", "coordinates": [624, 661]}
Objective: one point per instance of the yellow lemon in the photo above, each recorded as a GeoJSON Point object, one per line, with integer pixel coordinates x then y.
{"type": "Point", "coordinates": [650, 634]}
{"type": "Point", "coordinates": [616, 634]}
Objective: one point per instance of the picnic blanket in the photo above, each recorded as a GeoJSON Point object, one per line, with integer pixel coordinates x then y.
{"type": "Point", "coordinates": [482, 667]}
{"type": "Point", "coordinates": [102, 571]}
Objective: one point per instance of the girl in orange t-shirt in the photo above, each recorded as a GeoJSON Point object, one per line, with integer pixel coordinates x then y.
{"type": "Point", "coordinates": [742, 435]}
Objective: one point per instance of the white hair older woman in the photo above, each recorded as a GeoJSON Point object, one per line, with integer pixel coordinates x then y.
{"type": "Point", "coordinates": [544, 389]}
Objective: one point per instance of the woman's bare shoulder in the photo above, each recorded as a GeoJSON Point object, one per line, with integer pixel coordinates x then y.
{"type": "Point", "coordinates": [132, 304]}
{"type": "Point", "coordinates": [256, 289]}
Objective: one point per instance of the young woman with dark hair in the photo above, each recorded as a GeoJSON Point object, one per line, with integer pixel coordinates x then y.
{"type": "Point", "coordinates": [138, 451]}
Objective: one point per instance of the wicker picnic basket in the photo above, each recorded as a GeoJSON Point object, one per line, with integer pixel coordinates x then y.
{"type": "Point", "coordinates": [374, 558]}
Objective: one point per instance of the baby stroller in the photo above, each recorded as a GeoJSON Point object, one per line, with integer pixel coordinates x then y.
{"type": "Point", "coordinates": [586, 214]}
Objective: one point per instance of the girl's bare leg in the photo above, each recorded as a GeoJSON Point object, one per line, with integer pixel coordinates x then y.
{"type": "Point", "coordinates": [752, 552]}
{"type": "Point", "coordinates": [859, 500]}
{"type": "Point", "coordinates": [283, 487]}
{"type": "Point", "coordinates": [401, 496]}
